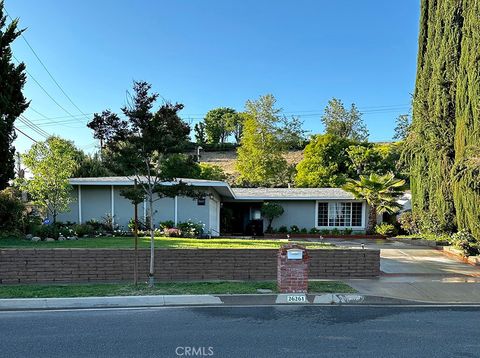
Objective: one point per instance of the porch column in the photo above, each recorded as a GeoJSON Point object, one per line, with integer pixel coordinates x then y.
{"type": "Point", "coordinates": [175, 206]}
{"type": "Point", "coordinates": [79, 204]}
{"type": "Point", "coordinates": [112, 192]}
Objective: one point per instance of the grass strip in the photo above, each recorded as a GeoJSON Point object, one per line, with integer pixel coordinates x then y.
{"type": "Point", "coordinates": [160, 242]}
{"type": "Point", "coordinates": [162, 288]}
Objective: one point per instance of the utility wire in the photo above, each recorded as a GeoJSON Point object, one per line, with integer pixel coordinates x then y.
{"type": "Point", "coordinates": [46, 69]}
{"type": "Point", "coordinates": [26, 135]}
{"type": "Point", "coordinates": [33, 126]}
{"type": "Point", "coordinates": [48, 94]}
{"type": "Point", "coordinates": [65, 119]}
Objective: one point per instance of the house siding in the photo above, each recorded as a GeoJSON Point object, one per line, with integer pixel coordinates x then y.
{"type": "Point", "coordinates": [300, 213]}
{"type": "Point", "coordinates": [123, 208]}
{"type": "Point", "coordinates": [72, 213]}
{"type": "Point", "coordinates": [97, 203]}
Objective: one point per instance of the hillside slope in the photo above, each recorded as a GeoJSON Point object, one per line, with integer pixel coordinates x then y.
{"type": "Point", "coordinates": [226, 160]}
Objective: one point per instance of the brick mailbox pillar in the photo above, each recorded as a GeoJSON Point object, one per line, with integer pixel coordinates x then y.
{"type": "Point", "coordinates": [292, 269]}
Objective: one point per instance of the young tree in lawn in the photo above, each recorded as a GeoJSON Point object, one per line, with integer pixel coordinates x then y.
{"type": "Point", "coordinates": [12, 101]}
{"type": "Point", "coordinates": [381, 192]}
{"type": "Point", "coordinates": [344, 123]}
{"type": "Point", "coordinates": [51, 163]}
{"type": "Point", "coordinates": [271, 211]}
{"type": "Point", "coordinates": [142, 143]}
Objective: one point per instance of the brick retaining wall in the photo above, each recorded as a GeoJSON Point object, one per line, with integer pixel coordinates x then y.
{"type": "Point", "coordinates": [96, 265]}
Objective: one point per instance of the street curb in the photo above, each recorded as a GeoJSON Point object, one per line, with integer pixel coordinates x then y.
{"type": "Point", "coordinates": [106, 302]}
{"type": "Point", "coordinates": [338, 299]}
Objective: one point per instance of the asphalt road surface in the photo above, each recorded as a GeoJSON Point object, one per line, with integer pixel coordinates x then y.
{"type": "Point", "coordinates": [286, 331]}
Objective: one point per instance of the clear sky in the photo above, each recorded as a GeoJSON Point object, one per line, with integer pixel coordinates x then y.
{"type": "Point", "coordinates": [211, 53]}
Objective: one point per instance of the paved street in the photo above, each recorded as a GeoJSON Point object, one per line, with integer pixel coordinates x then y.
{"type": "Point", "coordinates": [417, 273]}
{"type": "Point", "coordinates": [333, 331]}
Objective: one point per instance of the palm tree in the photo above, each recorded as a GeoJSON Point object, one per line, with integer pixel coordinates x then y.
{"type": "Point", "coordinates": [379, 191]}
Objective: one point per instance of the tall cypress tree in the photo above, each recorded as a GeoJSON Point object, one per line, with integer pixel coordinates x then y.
{"type": "Point", "coordinates": [466, 173]}
{"type": "Point", "coordinates": [12, 101]}
{"type": "Point", "coordinates": [430, 145]}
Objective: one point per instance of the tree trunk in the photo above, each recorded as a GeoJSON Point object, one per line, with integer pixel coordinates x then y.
{"type": "Point", "coordinates": [151, 280]}
{"type": "Point", "coordinates": [372, 219]}
{"type": "Point", "coordinates": [135, 231]}
{"type": "Point", "coordinates": [269, 228]}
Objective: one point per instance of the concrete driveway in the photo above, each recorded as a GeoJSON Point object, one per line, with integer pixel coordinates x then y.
{"type": "Point", "coordinates": [417, 273]}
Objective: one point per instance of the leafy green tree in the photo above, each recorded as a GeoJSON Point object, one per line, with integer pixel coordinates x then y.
{"type": "Point", "coordinates": [466, 168]}
{"type": "Point", "coordinates": [380, 158]}
{"type": "Point", "coordinates": [142, 143]}
{"type": "Point", "coordinates": [260, 161]}
{"type": "Point", "coordinates": [381, 193]}
{"type": "Point", "coordinates": [292, 133]}
{"type": "Point", "coordinates": [218, 124]}
{"type": "Point", "coordinates": [51, 163]}
{"type": "Point", "coordinates": [90, 166]}
{"type": "Point", "coordinates": [325, 162]}
{"type": "Point", "coordinates": [12, 100]}
{"type": "Point", "coordinates": [270, 211]}
{"type": "Point", "coordinates": [200, 135]}
{"type": "Point", "coordinates": [364, 158]}
{"type": "Point", "coordinates": [430, 145]}
{"type": "Point", "coordinates": [344, 123]}
{"type": "Point", "coordinates": [212, 172]}
{"type": "Point", "coordinates": [265, 111]}
{"type": "Point", "coordinates": [402, 127]}
{"type": "Point", "coordinates": [180, 165]}
{"type": "Point", "coordinates": [235, 124]}
{"type": "Point", "coordinates": [12, 211]}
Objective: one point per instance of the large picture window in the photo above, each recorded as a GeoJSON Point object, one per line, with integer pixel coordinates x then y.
{"type": "Point", "coordinates": [340, 214]}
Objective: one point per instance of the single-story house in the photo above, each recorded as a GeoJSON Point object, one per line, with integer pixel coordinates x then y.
{"type": "Point", "coordinates": [224, 209]}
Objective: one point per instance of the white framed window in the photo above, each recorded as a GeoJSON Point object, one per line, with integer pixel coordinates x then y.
{"type": "Point", "coordinates": [339, 214]}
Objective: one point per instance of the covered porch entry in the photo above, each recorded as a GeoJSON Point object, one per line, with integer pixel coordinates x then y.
{"type": "Point", "coordinates": [241, 218]}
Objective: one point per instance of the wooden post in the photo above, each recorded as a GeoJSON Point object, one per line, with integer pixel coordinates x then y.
{"type": "Point", "coordinates": [135, 233]}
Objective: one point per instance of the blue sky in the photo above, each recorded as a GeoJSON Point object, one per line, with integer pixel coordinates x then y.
{"type": "Point", "coordinates": [211, 53]}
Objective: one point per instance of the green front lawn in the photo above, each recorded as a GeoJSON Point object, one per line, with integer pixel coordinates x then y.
{"type": "Point", "coordinates": [160, 242]}
{"type": "Point", "coordinates": [168, 288]}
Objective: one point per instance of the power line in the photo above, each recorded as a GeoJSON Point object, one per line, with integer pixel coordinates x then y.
{"type": "Point", "coordinates": [46, 69]}
{"type": "Point", "coordinates": [26, 135]}
{"type": "Point", "coordinates": [57, 117]}
{"type": "Point", "coordinates": [39, 113]}
{"type": "Point", "coordinates": [33, 126]}
{"type": "Point", "coordinates": [46, 92]}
